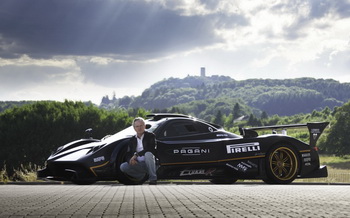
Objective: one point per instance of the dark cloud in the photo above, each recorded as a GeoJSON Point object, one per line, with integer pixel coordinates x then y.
{"type": "Point", "coordinates": [342, 8]}
{"type": "Point", "coordinates": [45, 28]}
{"type": "Point", "coordinates": [210, 4]}
{"type": "Point", "coordinates": [318, 9]}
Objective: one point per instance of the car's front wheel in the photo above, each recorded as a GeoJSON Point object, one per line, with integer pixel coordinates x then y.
{"type": "Point", "coordinates": [282, 165]}
{"type": "Point", "coordinates": [122, 177]}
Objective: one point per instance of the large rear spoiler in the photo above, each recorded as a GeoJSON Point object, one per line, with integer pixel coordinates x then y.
{"type": "Point", "coordinates": [315, 130]}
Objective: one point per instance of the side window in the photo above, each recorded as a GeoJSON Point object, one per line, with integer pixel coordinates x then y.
{"type": "Point", "coordinates": [180, 129]}
{"type": "Point", "coordinates": [204, 128]}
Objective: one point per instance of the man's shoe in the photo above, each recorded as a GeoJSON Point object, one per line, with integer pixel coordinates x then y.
{"type": "Point", "coordinates": [153, 182]}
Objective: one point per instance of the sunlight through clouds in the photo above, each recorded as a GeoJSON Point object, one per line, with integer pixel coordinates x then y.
{"type": "Point", "coordinates": [85, 50]}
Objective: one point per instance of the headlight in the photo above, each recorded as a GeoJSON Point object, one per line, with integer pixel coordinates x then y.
{"type": "Point", "coordinates": [59, 148]}
{"type": "Point", "coordinates": [96, 148]}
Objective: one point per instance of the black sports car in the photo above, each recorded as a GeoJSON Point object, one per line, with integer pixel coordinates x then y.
{"type": "Point", "coordinates": [189, 149]}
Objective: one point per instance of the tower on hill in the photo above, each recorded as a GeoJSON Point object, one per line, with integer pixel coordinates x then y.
{"type": "Point", "coordinates": [202, 71]}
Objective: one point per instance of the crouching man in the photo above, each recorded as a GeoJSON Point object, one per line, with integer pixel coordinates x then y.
{"type": "Point", "coordinates": [141, 153]}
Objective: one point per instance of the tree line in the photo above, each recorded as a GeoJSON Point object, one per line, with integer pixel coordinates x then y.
{"type": "Point", "coordinates": [28, 134]}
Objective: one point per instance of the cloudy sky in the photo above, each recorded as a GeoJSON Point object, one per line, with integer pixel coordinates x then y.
{"type": "Point", "coordinates": [86, 49]}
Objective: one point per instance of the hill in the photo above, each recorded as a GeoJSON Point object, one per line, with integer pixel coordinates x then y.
{"type": "Point", "coordinates": [282, 97]}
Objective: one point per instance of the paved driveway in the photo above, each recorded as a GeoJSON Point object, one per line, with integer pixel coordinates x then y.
{"type": "Point", "coordinates": [171, 200]}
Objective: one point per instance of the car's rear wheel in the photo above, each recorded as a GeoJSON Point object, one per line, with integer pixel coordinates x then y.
{"type": "Point", "coordinates": [282, 165]}
{"type": "Point", "coordinates": [223, 181]}
{"type": "Point", "coordinates": [122, 177]}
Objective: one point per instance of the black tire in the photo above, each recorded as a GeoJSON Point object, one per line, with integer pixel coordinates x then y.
{"type": "Point", "coordinates": [223, 181]}
{"type": "Point", "coordinates": [282, 165]}
{"type": "Point", "coordinates": [122, 177]}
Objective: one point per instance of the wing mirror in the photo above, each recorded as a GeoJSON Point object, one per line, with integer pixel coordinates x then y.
{"type": "Point", "coordinates": [88, 133]}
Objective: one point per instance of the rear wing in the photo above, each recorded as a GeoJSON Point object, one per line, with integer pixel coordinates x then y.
{"type": "Point", "coordinates": [315, 130]}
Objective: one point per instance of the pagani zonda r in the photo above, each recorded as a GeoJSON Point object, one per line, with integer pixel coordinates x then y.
{"type": "Point", "coordinates": [189, 149]}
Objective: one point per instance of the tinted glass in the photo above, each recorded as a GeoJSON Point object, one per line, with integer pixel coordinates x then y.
{"type": "Point", "coordinates": [180, 128]}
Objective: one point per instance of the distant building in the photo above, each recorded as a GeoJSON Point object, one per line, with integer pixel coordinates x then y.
{"type": "Point", "coordinates": [202, 71]}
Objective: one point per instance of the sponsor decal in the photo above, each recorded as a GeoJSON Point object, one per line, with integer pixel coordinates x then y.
{"type": "Point", "coordinates": [315, 132]}
{"type": "Point", "coordinates": [99, 159]}
{"type": "Point", "coordinates": [252, 164]}
{"type": "Point", "coordinates": [306, 155]}
{"type": "Point", "coordinates": [221, 135]}
{"type": "Point", "coordinates": [243, 148]}
{"type": "Point", "coordinates": [307, 158]}
{"type": "Point", "coordinates": [191, 172]}
{"type": "Point", "coordinates": [242, 166]}
{"type": "Point", "coordinates": [246, 165]}
{"type": "Point", "coordinates": [229, 165]}
{"type": "Point", "coordinates": [191, 151]}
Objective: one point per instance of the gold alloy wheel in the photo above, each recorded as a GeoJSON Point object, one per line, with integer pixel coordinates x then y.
{"type": "Point", "coordinates": [283, 164]}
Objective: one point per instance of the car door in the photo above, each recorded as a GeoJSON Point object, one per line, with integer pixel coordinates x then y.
{"type": "Point", "coordinates": [187, 142]}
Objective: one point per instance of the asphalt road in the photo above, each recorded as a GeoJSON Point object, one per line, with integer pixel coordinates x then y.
{"type": "Point", "coordinates": [174, 200]}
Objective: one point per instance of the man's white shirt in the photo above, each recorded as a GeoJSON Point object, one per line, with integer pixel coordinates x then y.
{"type": "Point", "coordinates": [140, 148]}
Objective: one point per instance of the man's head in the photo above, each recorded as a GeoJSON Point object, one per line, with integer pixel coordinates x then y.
{"type": "Point", "coordinates": [139, 125]}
